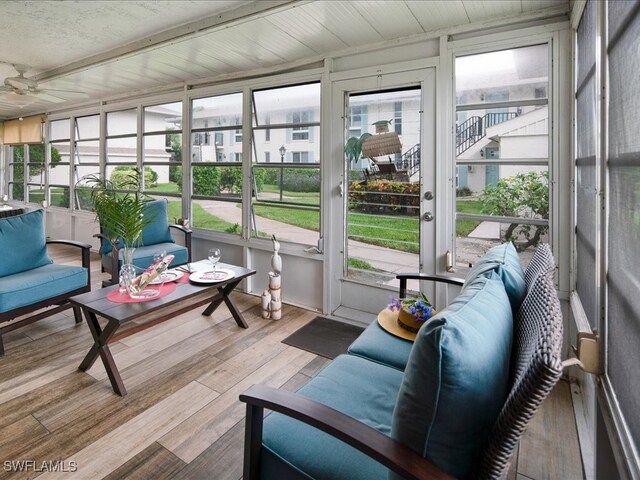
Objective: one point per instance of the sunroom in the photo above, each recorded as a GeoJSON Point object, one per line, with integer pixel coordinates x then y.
{"type": "Point", "coordinates": [366, 139]}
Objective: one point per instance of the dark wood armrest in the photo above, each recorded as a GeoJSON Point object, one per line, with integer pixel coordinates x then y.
{"type": "Point", "coordinates": [403, 277]}
{"type": "Point", "coordinates": [391, 453]}
{"type": "Point", "coordinates": [113, 269]}
{"type": "Point", "coordinates": [187, 238]}
{"type": "Point", "coordinates": [71, 243]}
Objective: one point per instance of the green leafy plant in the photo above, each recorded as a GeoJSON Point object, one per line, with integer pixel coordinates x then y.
{"type": "Point", "coordinates": [119, 207]}
{"type": "Point", "coordinates": [353, 147]}
{"type": "Point", "coordinates": [523, 195]}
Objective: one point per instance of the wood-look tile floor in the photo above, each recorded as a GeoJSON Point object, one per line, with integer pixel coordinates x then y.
{"type": "Point", "coordinates": [182, 417]}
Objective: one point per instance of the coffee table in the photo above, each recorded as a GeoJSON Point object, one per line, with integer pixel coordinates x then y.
{"type": "Point", "coordinates": [121, 316]}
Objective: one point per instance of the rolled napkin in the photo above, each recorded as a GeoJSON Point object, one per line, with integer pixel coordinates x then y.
{"type": "Point", "coordinates": [152, 272]}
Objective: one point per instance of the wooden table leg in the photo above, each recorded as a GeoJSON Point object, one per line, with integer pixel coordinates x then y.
{"type": "Point", "coordinates": [223, 295]}
{"type": "Point", "coordinates": [101, 348]}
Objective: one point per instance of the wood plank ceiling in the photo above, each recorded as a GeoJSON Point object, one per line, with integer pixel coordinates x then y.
{"type": "Point", "coordinates": [108, 48]}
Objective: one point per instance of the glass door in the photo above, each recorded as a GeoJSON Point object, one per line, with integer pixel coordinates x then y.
{"type": "Point", "coordinates": [388, 200]}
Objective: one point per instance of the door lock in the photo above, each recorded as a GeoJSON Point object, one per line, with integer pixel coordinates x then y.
{"type": "Point", "coordinates": [428, 195]}
{"type": "Point", "coordinates": [427, 217]}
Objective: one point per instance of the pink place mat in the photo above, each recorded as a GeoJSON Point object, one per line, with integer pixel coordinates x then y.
{"type": "Point", "coordinates": [183, 279]}
{"type": "Point", "coordinates": [117, 297]}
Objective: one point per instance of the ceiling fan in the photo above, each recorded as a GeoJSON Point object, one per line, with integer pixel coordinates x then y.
{"type": "Point", "coordinates": [23, 91]}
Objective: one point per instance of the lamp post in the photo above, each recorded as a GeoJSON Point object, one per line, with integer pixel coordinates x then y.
{"type": "Point", "coordinates": [282, 151]}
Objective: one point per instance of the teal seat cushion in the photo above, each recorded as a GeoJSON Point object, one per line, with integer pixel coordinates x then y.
{"type": "Point", "coordinates": [355, 386]}
{"type": "Point", "coordinates": [504, 260]}
{"type": "Point", "coordinates": [456, 377]}
{"type": "Point", "coordinates": [32, 286]}
{"type": "Point", "coordinates": [23, 243]}
{"type": "Point", "coordinates": [153, 233]}
{"type": "Point", "coordinates": [143, 256]}
{"type": "Point", "coordinates": [378, 345]}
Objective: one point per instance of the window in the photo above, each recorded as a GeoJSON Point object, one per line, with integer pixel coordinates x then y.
{"type": "Point", "coordinates": [287, 175]}
{"type": "Point", "coordinates": [216, 166]}
{"type": "Point", "coordinates": [121, 139]}
{"type": "Point", "coordinates": [300, 133]}
{"type": "Point", "coordinates": [60, 164]}
{"type": "Point", "coordinates": [86, 160]}
{"type": "Point", "coordinates": [397, 118]}
{"type": "Point", "coordinates": [502, 151]}
{"type": "Point", "coordinates": [162, 153]}
{"type": "Point", "coordinates": [357, 120]}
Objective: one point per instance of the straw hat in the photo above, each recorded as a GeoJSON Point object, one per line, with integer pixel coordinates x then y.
{"type": "Point", "coordinates": [399, 323]}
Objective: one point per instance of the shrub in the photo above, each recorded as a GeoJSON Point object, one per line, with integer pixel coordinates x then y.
{"type": "Point", "coordinates": [463, 192]}
{"type": "Point", "coordinates": [206, 181]}
{"type": "Point", "coordinates": [301, 180]}
{"type": "Point", "coordinates": [523, 195]}
{"type": "Point", "coordinates": [385, 196]}
{"type": "Point", "coordinates": [120, 176]}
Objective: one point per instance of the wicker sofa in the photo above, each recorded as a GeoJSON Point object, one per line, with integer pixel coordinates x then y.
{"type": "Point", "coordinates": [454, 403]}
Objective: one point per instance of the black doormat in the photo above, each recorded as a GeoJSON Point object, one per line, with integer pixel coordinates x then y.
{"type": "Point", "coordinates": [324, 337]}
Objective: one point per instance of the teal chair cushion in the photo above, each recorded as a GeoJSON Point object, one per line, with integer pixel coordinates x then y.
{"type": "Point", "coordinates": [357, 387]}
{"type": "Point", "coordinates": [456, 377]}
{"type": "Point", "coordinates": [32, 286]}
{"type": "Point", "coordinates": [153, 233]}
{"type": "Point", "coordinates": [504, 260]}
{"type": "Point", "coordinates": [23, 243]}
{"type": "Point", "coordinates": [378, 345]}
{"type": "Point", "coordinates": [143, 256]}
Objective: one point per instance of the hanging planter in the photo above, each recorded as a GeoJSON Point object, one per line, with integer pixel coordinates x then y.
{"type": "Point", "coordinates": [382, 144]}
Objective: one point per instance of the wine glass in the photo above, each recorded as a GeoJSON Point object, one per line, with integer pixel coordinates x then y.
{"type": "Point", "coordinates": [214, 257]}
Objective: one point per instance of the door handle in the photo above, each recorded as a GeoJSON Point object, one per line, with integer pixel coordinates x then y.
{"type": "Point", "coordinates": [427, 217]}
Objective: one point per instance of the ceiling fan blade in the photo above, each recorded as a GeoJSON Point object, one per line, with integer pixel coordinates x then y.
{"type": "Point", "coordinates": [4, 88]}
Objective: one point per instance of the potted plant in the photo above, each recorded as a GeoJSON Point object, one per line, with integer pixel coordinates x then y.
{"type": "Point", "coordinates": [119, 209]}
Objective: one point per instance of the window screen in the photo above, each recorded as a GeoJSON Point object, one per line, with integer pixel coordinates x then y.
{"type": "Point", "coordinates": [624, 207]}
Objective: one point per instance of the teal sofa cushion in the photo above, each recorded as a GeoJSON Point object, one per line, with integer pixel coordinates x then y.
{"type": "Point", "coordinates": [378, 345]}
{"type": "Point", "coordinates": [355, 386]}
{"type": "Point", "coordinates": [153, 233]}
{"type": "Point", "coordinates": [504, 260]}
{"type": "Point", "coordinates": [456, 378]}
{"type": "Point", "coordinates": [23, 243]}
{"type": "Point", "coordinates": [31, 286]}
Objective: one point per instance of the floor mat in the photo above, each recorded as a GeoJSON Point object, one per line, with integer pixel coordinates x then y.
{"type": "Point", "coordinates": [324, 337]}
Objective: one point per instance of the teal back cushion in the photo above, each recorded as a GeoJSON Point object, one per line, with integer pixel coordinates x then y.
{"type": "Point", "coordinates": [456, 378]}
{"type": "Point", "coordinates": [504, 260]}
{"type": "Point", "coordinates": [155, 232]}
{"type": "Point", "coordinates": [23, 243]}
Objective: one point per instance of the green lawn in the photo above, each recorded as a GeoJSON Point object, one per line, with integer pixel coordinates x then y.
{"type": "Point", "coordinates": [463, 226]}
{"type": "Point", "coordinates": [202, 218]}
{"type": "Point", "coordinates": [165, 188]}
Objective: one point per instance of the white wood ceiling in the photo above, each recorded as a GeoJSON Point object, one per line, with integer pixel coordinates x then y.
{"type": "Point", "coordinates": [106, 48]}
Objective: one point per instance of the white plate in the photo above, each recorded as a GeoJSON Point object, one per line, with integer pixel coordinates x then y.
{"type": "Point", "coordinates": [207, 276]}
{"type": "Point", "coordinates": [169, 276]}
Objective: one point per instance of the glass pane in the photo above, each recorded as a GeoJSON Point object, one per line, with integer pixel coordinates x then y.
{"type": "Point", "coordinates": [163, 117]}
{"type": "Point", "coordinates": [59, 129]}
{"type": "Point", "coordinates": [121, 150]}
{"type": "Point", "coordinates": [88, 127]}
{"type": "Point", "coordinates": [474, 238]}
{"type": "Point", "coordinates": [505, 190]}
{"type": "Point", "coordinates": [87, 152]}
{"type": "Point", "coordinates": [384, 188]}
{"type": "Point", "coordinates": [287, 203]}
{"type": "Point", "coordinates": [17, 191]}
{"type": "Point", "coordinates": [223, 210]}
{"type": "Point", "coordinates": [512, 130]}
{"type": "Point", "coordinates": [122, 122]}
{"type": "Point", "coordinates": [216, 146]}
{"type": "Point", "coordinates": [35, 194]}
{"type": "Point", "coordinates": [59, 197]}
{"type": "Point", "coordinates": [287, 145]}
{"type": "Point", "coordinates": [166, 178]}
{"type": "Point", "coordinates": [59, 174]}
{"type": "Point", "coordinates": [515, 74]}
{"type": "Point", "coordinates": [278, 105]}
{"type": "Point", "coordinates": [220, 111]}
